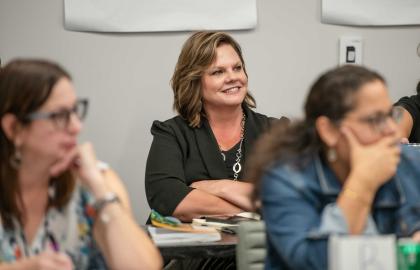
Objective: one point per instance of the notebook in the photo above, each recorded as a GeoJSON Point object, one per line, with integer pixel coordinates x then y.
{"type": "Point", "coordinates": [167, 236]}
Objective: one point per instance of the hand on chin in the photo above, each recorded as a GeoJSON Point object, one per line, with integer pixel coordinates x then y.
{"type": "Point", "coordinates": [64, 162]}
{"type": "Point", "coordinates": [86, 168]}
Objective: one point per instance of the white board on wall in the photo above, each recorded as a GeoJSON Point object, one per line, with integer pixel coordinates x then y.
{"type": "Point", "coordinates": [159, 15]}
{"type": "Point", "coordinates": [371, 12]}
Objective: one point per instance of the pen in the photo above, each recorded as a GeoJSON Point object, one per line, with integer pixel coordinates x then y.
{"type": "Point", "coordinates": [227, 230]}
{"type": "Point", "coordinates": [54, 243]}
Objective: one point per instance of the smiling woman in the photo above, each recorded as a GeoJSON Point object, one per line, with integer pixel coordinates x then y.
{"type": "Point", "coordinates": [195, 164]}
{"type": "Point", "coordinates": [224, 83]}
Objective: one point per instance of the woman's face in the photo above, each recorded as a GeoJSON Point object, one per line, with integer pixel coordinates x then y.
{"type": "Point", "coordinates": [224, 83]}
{"type": "Point", "coordinates": [371, 119]}
{"type": "Point", "coordinates": [48, 138]}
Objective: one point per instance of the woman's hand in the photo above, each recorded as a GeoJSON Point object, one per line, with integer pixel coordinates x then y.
{"type": "Point", "coordinates": [209, 186]}
{"type": "Point", "coordinates": [49, 260]}
{"type": "Point", "coordinates": [85, 167]}
{"type": "Point", "coordinates": [82, 161]}
{"type": "Point", "coordinates": [235, 192]}
{"type": "Point", "coordinates": [374, 164]}
{"type": "Point", "coordinates": [371, 166]}
{"type": "Point", "coordinates": [416, 237]}
{"type": "Point", "coordinates": [404, 140]}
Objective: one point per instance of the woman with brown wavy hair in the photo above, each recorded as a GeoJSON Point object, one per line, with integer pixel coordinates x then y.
{"type": "Point", "coordinates": [59, 207]}
{"type": "Point", "coordinates": [195, 163]}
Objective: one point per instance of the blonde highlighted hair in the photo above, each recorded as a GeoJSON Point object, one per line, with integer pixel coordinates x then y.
{"type": "Point", "coordinates": [197, 54]}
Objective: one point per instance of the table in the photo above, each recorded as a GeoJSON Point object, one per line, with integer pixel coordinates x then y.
{"type": "Point", "coordinates": [224, 248]}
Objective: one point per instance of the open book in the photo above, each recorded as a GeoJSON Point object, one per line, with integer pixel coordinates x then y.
{"type": "Point", "coordinates": [170, 230]}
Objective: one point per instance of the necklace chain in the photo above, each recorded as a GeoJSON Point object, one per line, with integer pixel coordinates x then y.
{"type": "Point", "coordinates": [237, 167]}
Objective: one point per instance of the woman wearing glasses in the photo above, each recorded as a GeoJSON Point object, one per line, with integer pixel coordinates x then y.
{"type": "Point", "coordinates": [341, 170]}
{"type": "Point", "coordinates": [59, 208]}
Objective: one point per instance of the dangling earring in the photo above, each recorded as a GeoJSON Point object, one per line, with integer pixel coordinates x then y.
{"type": "Point", "coordinates": [51, 191]}
{"type": "Point", "coordinates": [16, 158]}
{"type": "Point", "coordinates": [331, 155]}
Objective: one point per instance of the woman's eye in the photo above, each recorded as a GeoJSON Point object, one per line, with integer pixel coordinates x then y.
{"type": "Point", "coordinates": [60, 115]}
{"type": "Point", "coordinates": [216, 72]}
{"type": "Point", "coordinates": [377, 120]}
{"type": "Point", "coordinates": [238, 68]}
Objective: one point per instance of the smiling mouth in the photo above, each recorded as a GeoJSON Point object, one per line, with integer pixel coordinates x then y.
{"type": "Point", "coordinates": [232, 90]}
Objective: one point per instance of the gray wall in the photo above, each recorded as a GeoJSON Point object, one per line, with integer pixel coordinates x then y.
{"type": "Point", "coordinates": [126, 76]}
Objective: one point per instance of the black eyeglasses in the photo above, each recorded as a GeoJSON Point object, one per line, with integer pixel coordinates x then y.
{"type": "Point", "coordinates": [379, 121]}
{"type": "Point", "coordinates": [61, 118]}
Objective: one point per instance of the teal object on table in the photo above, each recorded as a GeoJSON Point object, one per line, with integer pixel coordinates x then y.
{"type": "Point", "coordinates": [408, 254]}
{"type": "Point", "coordinates": [155, 216]}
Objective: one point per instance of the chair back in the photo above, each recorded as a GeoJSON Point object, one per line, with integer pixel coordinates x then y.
{"type": "Point", "coordinates": [251, 247]}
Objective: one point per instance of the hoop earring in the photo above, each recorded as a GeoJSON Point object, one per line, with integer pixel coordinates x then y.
{"type": "Point", "coordinates": [16, 159]}
{"type": "Point", "coordinates": [331, 155]}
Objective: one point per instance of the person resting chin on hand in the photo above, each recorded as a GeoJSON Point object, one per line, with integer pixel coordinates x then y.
{"type": "Point", "coordinates": [59, 207]}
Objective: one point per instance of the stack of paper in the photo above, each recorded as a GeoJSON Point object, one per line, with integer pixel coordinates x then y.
{"type": "Point", "coordinates": [163, 236]}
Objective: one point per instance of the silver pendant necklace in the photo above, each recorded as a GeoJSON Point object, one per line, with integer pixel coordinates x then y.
{"type": "Point", "coordinates": [237, 167]}
{"type": "Point", "coordinates": [223, 155]}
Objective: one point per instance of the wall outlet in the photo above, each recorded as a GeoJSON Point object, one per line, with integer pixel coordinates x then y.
{"type": "Point", "coordinates": [350, 50]}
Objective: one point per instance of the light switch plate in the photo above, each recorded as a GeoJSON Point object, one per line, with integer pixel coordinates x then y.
{"type": "Point", "coordinates": [350, 50]}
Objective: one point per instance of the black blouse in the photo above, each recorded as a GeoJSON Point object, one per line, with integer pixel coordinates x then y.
{"type": "Point", "coordinates": [230, 159]}
{"type": "Point", "coordinates": [180, 155]}
{"type": "Point", "coordinates": [412, 105]}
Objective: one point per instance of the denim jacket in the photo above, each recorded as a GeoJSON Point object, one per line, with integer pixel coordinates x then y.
{"type": "Point", "coordinates": [300, 210]}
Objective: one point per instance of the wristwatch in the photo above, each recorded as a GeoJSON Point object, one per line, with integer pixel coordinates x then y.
{"type": "Point", "coordinates": [109, 197]}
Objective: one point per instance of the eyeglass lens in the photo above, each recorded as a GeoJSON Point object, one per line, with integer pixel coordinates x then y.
{"type": "Point", "coordinates": [62, 119]}
{"type": "Point", "coordinates": [380, 123]}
